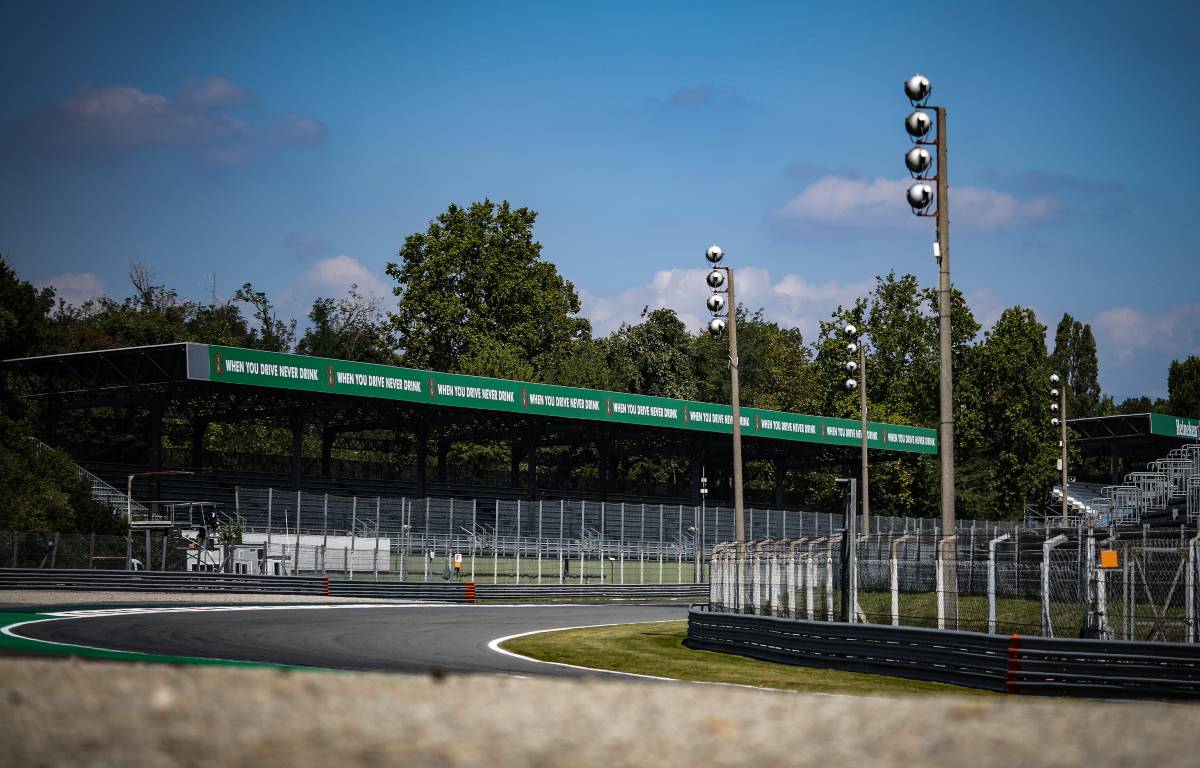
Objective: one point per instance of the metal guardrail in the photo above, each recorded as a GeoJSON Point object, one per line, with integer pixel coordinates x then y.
{"type": "Point", "coordinates": [458, 591]}
{"type": "Point", "coordinates": [157, 581]}
{"type": "Point", "coordinates": [161, 581]}
{"type": "Point", "coordinates": [1015, 664]}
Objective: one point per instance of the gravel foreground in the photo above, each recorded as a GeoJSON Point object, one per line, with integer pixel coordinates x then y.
{"type": "Point", "coordinates": [55, 713]}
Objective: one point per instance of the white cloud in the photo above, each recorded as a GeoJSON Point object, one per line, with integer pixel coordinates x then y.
{"type": "Point", "coordinates": [75, 288]}
{"type": "Point", "coordinates": [790, 300]}
{"type": "Point", "coordinates": [205, 115]}
{"type": "Point", "coordinates": [1126, 331]}
{"type": "Point", "coordinates": [211, 93]}
{"type": "Point", "coordinates": [986, 306]}
{"type": "Point", "coordinates": [880, 204]}
{"type": "Point", "coordinates": [330, 278]}
{"type": "Point", "coordinates": [335, 275]}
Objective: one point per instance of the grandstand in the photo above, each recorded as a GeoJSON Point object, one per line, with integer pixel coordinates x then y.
{"type": "Point", "coordinates": [403, 418]}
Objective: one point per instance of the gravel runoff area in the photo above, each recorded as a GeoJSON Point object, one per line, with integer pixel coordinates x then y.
{"type": "Point", "coordinates": [105, 714]}
{"type": "Point", "coordinates": [46, 597]}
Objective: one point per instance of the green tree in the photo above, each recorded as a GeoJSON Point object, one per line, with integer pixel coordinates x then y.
{"type": "Point", "coordinates": [24, 315]}
{"type": "Point", "coordinates": [1183, 387]}
{"type": "Point", "coordinates": [653, 357]}
{"type": "Point", "coordinates": [1075, 359]}
{"type": "Point", "coordinates": [349, 328]}
{"type": "Point", "coordinates": [774, 371]}
{"type": "Point", "coordinates": [43, 493]}
{"type": "Point", "coordinates": [273, 334]}
{"type": "Point", "coordinates": [583, 363]}
{"type": "Point", "coordinates": [1017, 463]}
{"type": "Point", "coordinates": [475, 278]}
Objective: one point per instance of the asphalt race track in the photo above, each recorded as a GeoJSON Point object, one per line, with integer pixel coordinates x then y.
{"type": "Point", "coordinates": [419, 638]}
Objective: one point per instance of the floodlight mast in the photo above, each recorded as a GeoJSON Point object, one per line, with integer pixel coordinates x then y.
{"type": "Point", "coordinates": [1060, 421]}
{"type": "Point", "coordinates": [917, 88]}
{"type": "Point", "coordinates": [855, 346]}
{"type": "Point", "coordinates": [716, 326]}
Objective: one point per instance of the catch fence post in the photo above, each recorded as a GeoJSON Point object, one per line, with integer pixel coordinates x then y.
{"type": "Point", "coordinates": [1190, 589]}
{"type": "Point", "coordinates": [91, 550]}
{"type": "Point", "coordinates": [496, 547]}
{"type": "Point", "coordinates": [622, 552]}
{"type": "Point", "coordinates": [375, 555]}
{"type": "Point", "coordinates": [561, 553]}
{"type": "Point", "coordinates": [679, 550]}
{"type": "Point", "coordinates": [539, 545]}
{"type": "Point", "coordinates": [582, 528]}
{"type": "Point", "coordinates": [1047, 546]}
{"type": "Point", "coordinates": [474, 538]}
{"type": "Point", "coordinates": [600, 543]}
{"type": "Point", "coordinates": [354, 533]}
{"type": "Point", "coordinates": [660, 543]}
{"type": "Point", "coordinates": [829, 579]}
{"type": "Point", "coordinates": [894, 569]}
{"type": "Point", "coordinates": [518, 541]}
{"type": "Point", "coordinates": [641, 549]}
{"type": "Point", "coordinates": [267, 548]}
{"type": "Point", "coordinates": [991, 581]}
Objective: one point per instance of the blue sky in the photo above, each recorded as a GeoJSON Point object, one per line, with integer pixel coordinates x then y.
{"type": "Point", "coordinates": [295, 145]}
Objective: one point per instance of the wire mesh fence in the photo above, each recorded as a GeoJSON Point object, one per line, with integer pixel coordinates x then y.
{"type": "Point", "coordinates": [1081, 583]}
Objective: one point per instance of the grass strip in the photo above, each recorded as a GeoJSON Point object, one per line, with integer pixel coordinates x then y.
{"type": "Point", "coordinates": [657, 649]}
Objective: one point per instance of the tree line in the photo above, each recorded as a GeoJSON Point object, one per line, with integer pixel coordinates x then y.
{"type": "Point", "coordinates": [473, 294]}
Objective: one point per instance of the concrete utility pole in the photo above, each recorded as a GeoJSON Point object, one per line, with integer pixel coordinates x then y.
{"type": "Point", "coordinates": [717, 278]}
{"type": "Point", "coordinates": [1060, 421]}
{"type": "Point", "coordinates": [854, 346]}
{"type": "Point", "coordinates": [921, 197]}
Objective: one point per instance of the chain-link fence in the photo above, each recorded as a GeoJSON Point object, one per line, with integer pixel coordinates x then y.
{"type": "Point", "coordinates": [1080, 583]}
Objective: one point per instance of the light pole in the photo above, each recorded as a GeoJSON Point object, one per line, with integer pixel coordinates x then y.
{"type": "Point", "coordinates": [921, 197]}
{"type": "Point", "coordinates": [698, 527]}
{"type": "Point", "coordinates": [855, 347]}
{"type": "Point", "coordinates": [717, 281]}
{"type": "Point", "coordinates": [1059, 420]}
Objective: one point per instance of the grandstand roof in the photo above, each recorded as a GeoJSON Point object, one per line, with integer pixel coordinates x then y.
{"type": "Point", "coordinates": [1139, 434]}
{"type": "Point", "coordinates": [87, 378]}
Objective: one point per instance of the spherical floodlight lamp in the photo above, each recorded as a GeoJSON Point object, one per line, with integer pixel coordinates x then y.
{"type": "Point", "coordinates": [716, 303]}
{"type": "Point", "coordinates": [716, 278]}
{"type": "Point", "coordinates": [920, 196]}
{"type": "Point", "coordinates": [716, 326]}
{"type": "Point", "coordinates": [852, 348]}
{"type": "Point", "coordinates": [917, 88]}
{"type": "Point", "coordinates": [1053, 407]}
{"type": "Point", "coordinates": [1054, 422]}
{"type": "Point", "coordinates": [918, 124]}
{"type": "Point", "coordinates": [918, 160]}
{"type": "Point", "coordinates": [851, 367]}
{"type": "Point", "coordinates": [714, 254]}
{"type": "Point", "coordinates": [1054, 393]}
{"type": "Point", "coordinates": [851, 385]}
{"type": "Point", "coordinates": [850, 331]}
{"type": "Point", "coordinates": [1054, 378]}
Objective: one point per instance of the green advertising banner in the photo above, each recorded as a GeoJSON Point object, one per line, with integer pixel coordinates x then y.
{"type": "Point", "coordinates": [231, 365]}
{"type": "Point", "coordinates": [1173, 426]}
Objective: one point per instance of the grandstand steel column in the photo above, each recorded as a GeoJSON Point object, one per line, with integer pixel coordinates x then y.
{"type": "Point", "coordinates": [917, 88]}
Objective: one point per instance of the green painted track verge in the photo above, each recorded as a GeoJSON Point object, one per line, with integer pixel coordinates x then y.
{"type": "Point", "coordinates": [657, 649]}
{"type": "Point", "coordinates": [13, 644]}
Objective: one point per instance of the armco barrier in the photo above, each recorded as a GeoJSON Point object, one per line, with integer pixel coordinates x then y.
{"type": "Point", "coordinates": [1014, 664]}
{"type": "Point", "coordinates": [159, 581]}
